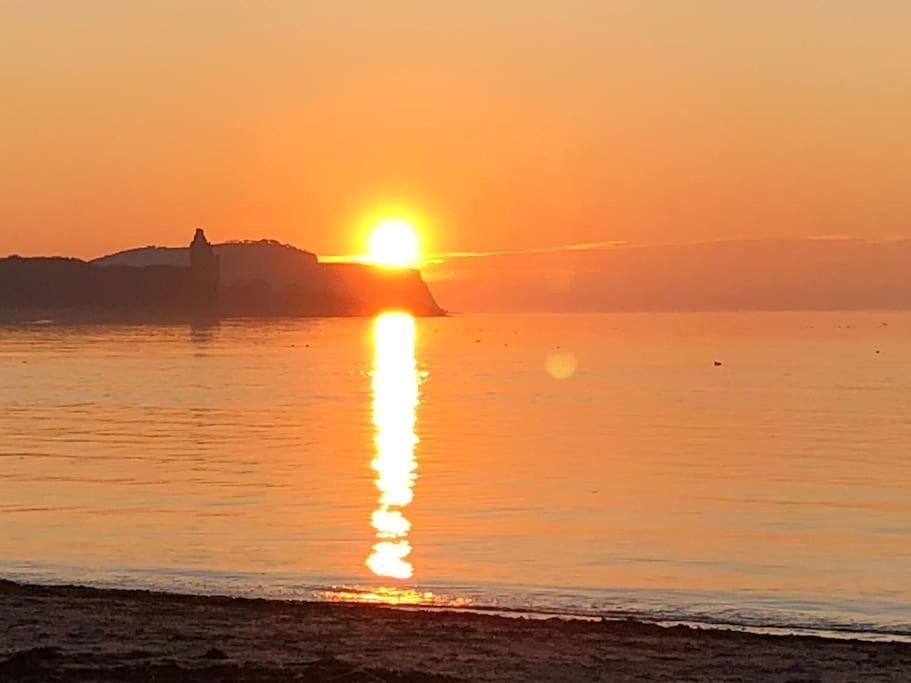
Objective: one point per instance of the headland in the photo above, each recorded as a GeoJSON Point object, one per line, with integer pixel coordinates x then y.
{"type": "Point", "coordinates": [204, 281]}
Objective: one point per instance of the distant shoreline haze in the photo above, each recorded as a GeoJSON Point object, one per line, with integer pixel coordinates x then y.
{"type": "Point", "coordinates": [800, 274]}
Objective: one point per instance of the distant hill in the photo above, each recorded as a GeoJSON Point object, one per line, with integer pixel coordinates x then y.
{"type": "Point", "coordinates": [265, 260]}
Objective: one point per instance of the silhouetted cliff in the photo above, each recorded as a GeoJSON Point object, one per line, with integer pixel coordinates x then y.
{"type": "Point", "coordinates": [331, 289]}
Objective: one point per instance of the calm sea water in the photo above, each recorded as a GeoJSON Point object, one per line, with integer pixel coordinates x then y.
{"type": "Point", "coordinates": [586, 464]}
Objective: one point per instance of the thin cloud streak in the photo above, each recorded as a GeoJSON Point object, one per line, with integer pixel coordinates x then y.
{"type": "Point", "coordinates": [432, 259]}
{"type": "Point", "coordinates": [442, 257]}
{"type": "Point", "coordinates": [579, 246]}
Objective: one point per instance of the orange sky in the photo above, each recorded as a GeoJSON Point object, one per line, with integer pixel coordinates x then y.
{"type": "Point", "coordinates": [511, 124]}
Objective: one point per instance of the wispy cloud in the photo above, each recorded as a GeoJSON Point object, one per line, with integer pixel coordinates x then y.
{"type": "Point", "coordinates": [578, 246]}
{"type": "Point", "coordinates": [441, 257]}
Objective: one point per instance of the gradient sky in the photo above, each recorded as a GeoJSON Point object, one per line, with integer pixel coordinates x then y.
{"type": "Point", "coordinates": [510, 124]}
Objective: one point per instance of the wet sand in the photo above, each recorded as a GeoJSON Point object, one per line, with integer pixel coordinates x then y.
{"type": "Point", "coordinates": [71, 633]}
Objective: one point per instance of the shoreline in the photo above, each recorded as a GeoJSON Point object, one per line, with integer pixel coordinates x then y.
{"type": "Point", "coordinates": [782, 630]}
{"type": "Point", "coordinates": [65, 632]}
{"type": "Point", "coordinates": [433, 600]}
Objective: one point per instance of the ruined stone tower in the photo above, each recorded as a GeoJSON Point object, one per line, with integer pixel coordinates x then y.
{"type": "Point", "coordinates": [205, 268]}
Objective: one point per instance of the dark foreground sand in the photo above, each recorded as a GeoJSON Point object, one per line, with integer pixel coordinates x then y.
{"type": "Point", "coordinates": [68, 633]}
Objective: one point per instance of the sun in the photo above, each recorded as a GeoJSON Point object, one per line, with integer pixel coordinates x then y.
{"type": "Point", "coordinates": [394, 243]}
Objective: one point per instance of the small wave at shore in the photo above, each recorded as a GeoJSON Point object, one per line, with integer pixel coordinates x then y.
{"type": "Point", "coordinates": [767, 614]}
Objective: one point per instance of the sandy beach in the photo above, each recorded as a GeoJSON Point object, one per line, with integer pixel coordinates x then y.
{"type": "Point", "coordinates": [73, 633]}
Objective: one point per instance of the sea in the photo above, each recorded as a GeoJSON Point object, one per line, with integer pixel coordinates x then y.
{"type": "Point", "coordinates": [734, 470]}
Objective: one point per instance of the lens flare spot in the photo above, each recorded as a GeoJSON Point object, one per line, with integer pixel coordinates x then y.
{"type": "Point", "coordinates": [561, 365]}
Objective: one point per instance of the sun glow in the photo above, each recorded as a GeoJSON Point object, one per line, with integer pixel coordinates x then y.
{"type": "Point", "coordinates": [394, 243]}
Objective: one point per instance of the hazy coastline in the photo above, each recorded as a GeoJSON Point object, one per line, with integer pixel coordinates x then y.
{"type": "Point", "coordinates": [205, 282]}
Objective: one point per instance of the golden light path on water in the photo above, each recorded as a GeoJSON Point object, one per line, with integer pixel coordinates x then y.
{"type": "Point", "coordinates": [396, 385]}
{"type": "Point", "coordinates": [396, 393]}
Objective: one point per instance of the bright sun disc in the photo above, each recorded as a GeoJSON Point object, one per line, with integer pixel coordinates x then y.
{"type": "Point", "coordinates": [393, 243]}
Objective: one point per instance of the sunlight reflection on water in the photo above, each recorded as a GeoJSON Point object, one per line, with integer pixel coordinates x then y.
{"type": "Point", "coordinates": [395, 399]}
{"type": "Point", "coordinates": [392, 596]}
